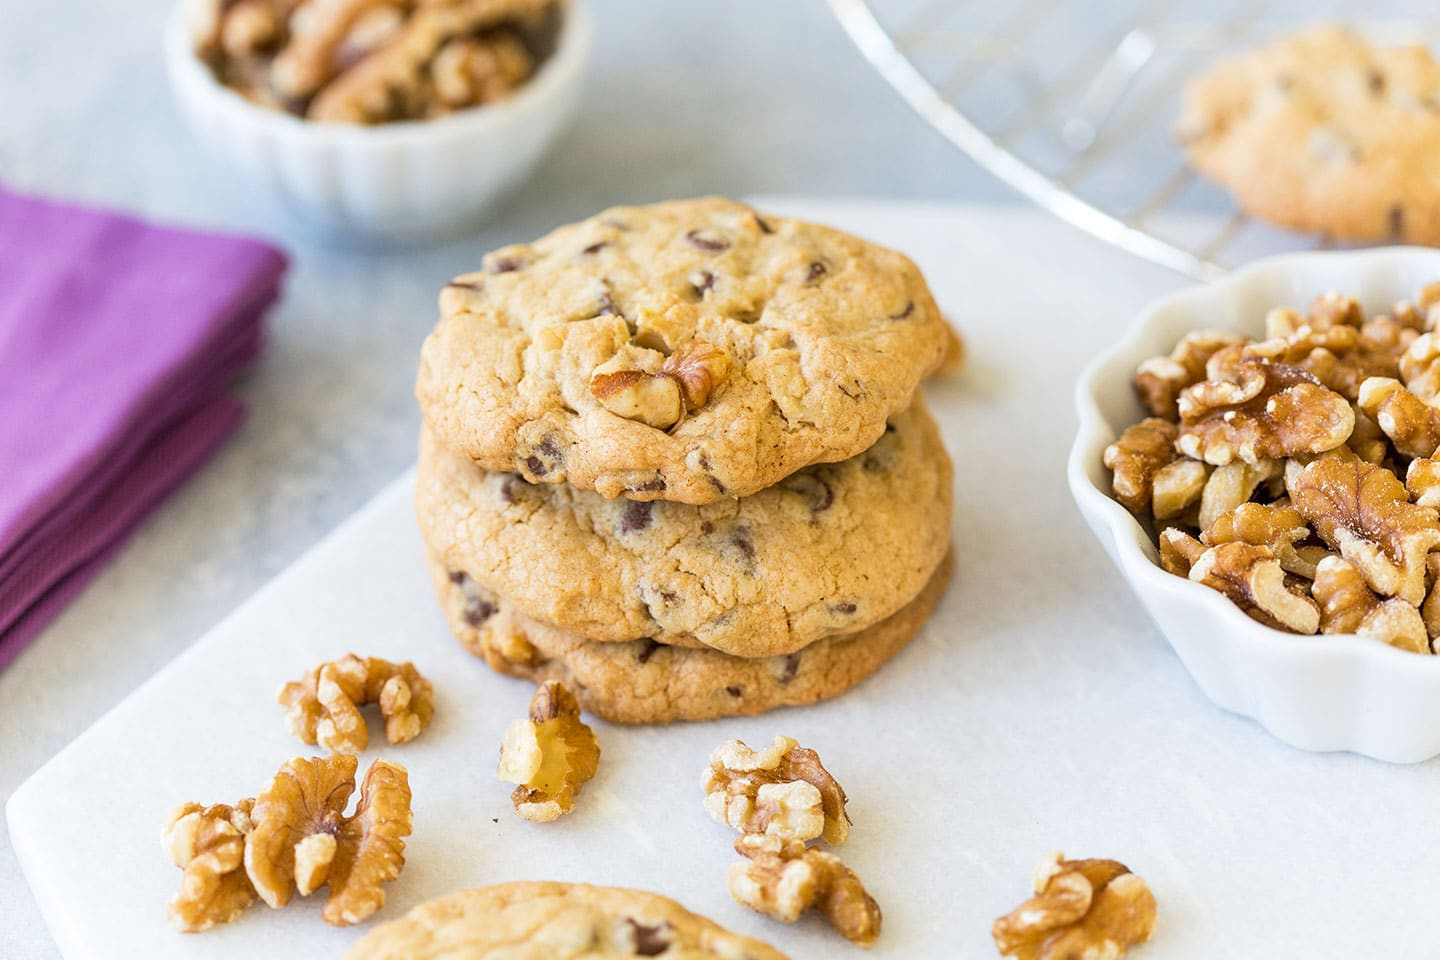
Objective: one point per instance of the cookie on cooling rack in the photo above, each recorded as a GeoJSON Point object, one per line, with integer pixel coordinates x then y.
{"type": "Point", "coordinates": [1324, 132]}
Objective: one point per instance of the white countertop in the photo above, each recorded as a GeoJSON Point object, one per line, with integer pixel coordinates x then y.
{"type": "Point", "coordinates": [683, 101]}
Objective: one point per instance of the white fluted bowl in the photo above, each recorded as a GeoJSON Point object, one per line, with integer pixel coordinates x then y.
{"type": "Point", "coordinates": [1334, 692]}
{"type": "Point", "coordinates": [394, 182]}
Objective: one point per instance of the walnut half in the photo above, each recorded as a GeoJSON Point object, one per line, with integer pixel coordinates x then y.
{"type": "Point", "coordinates": [1251, 577]}
{"type": "Point", "coordinates": [1410, 423]}
{"type": "Point", "coordinates": [1279, 527]}
{"type": "Point", "coordinates": [1159, 380]}
{"type": "Point", "coordinates": [1364, 511]}
{"type": "Point", "coordinates": [323, 707]}
{"type": "Point", "coordinates": [782, 879]}
{"type": "Point", "coordinates": [303, 840]}
{"type": "Point", "coordinates": [1269, 410]}
{"type": "Point", "coordinates": [1081, 909]}
{"type": "Point", "coordinates": [551, 755]}
{"type": "Point", "coordinates": [781, 791]}
{"type": "Point", "coordinates": [1347, 605]}
{"type": "Point", "coordinates": [208, 843]}
{"type": "Point", "coordinates": [661, 399]}
{"type": "Point", "coordinates": [1135, 458]}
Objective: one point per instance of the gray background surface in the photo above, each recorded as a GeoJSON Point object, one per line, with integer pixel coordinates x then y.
{"type": "Point", "coordinates": [742, 98]}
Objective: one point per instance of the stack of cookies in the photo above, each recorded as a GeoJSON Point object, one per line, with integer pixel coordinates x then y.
{"type": "Point", "coordinates": [674, 457]}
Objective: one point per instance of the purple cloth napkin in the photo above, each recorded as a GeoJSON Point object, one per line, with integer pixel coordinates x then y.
{"type": "Point", "coordinates": [117, 342]}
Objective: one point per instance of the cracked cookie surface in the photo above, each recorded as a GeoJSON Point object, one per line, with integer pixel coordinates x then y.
{"type": "Point", "coordinates": [1321, 131]}
{"type": "Point", "coordinates": [824, 336]}
{"type": "Point", "coordinates": [644, 682]}
{"type": "Point", "coordinates": [555, 921]}
{"type": "Point", "coordinates": [831, 549]}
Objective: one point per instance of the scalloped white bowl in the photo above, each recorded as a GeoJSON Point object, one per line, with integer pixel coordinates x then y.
{"type": "Point", "coordinates": [1337, 692]}
{"type": "Point", "coordinates": [393, 182]}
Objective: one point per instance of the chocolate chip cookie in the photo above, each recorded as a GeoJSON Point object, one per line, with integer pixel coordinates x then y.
{"type": "Point", "coordinates": [555, 921]}
{"type": "Point", "coordinates": [831, 549]}
{"type": "Point", "coordinates": [1321, 131]}
{"type": "Point", "coordinates": [688, 351]}
{"type": "Point", "coordinates": [642, 681]}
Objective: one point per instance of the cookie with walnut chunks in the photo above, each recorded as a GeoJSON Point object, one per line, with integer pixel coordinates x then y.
{"type": "Point", "coordinates": [644, 682]}
{"type": "Point", "coordinates": [689, 351]}
{"type": "Point", "coordinates": [1322, 131]}
{"type": "Point", "coordinates": [831, 549]}
{"type": "Point", "coordinates": [562, 921]}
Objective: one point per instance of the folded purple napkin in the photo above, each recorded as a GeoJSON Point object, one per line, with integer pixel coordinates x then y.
{"type": "Point", "coordinates": [118, 340]}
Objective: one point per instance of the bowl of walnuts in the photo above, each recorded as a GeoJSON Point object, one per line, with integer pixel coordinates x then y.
{"type": "Point", "coordinates": [389, 120]}
{"type": "Point", "coordinates": [1260, 457]}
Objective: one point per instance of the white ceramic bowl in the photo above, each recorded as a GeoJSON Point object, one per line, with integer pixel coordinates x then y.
{"type": "Point", "coordinates": [1334, 692]}
{"type": "Point", "coordinates": [393, 182]}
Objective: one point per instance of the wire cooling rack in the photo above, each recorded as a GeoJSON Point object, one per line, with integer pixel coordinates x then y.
{"type": "Point", "coordinates": [1072, 103]}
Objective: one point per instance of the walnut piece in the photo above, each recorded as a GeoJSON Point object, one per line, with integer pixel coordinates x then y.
{"type": "Point", "coordinates": [1430, 609]}
{"type": "Point", "coordinates": [782, 879]}
{"type": "Point", "coordinates": [551, 755]}
{"type": "Point", "coordinates": [1339, 357]}
{"type": "Point", "coordinates": [782, 791]}
{"type": "Point", "coordinates": [1419, 367]}
{"type": "Point", "coordinates": [1410, 423]}
{"type": "Point", "coordinates": [1281, 528]}
{"type": "Point", "coordinates": [1233, 484]}
{"type": "Point", "coordinates": [1333, 308]}
{"type": "Point", "coordinates": [1159, 380]}
{"type": "Point", "coordinates": [248, 27]}
{"type": "Point", "coordinates": [683, 384]}
{"type": "Point", "coordinates": [1268, 410]}
{"type": "Point", "coordinates": [1082, 910]}
{"type": "Point", "coordinates": [1365, 513]}
{"type": "Point", "coordinates": [1422, 481]}
{"type": "Point", "coordinates": [1179, 551]}
{"type": "Point", "coordinates": [208, 843]}
{"type": "Point", "coordinates": [1135, 457]}
{"type": "Point", "coordinates": [323, 707]}
{"type": "Point", "coordinates": [1367, 440]}
{"type": "Point", "coordinates": [1224, 364]}
{"type": "Point", "coordinates": [651, 398]}
{"type": "Point", "coordinates": [303, 840]}
{"type": "Point", "coordinates": [1392, 336]}
{"type": "Point", "coordinates": [470, 71]}
{"type": "Point", "coordinates": [1251, 577]}
{"type": "Point", "coordinates": [1347, 605]}
{"type": "Point", "coordinates": [1177, 487]}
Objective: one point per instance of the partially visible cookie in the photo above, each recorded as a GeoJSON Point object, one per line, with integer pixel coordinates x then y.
{"type": "Point", "coordinates": [1323, 132]}
{"type": "Point", "coordinates": [555, 921]}
{"type": "Point", "coordinates": [689, 351]}
{"type": "Point", "coordinates": [645, 682]}
{"type": "Point", "coordinates": [831, 549]}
